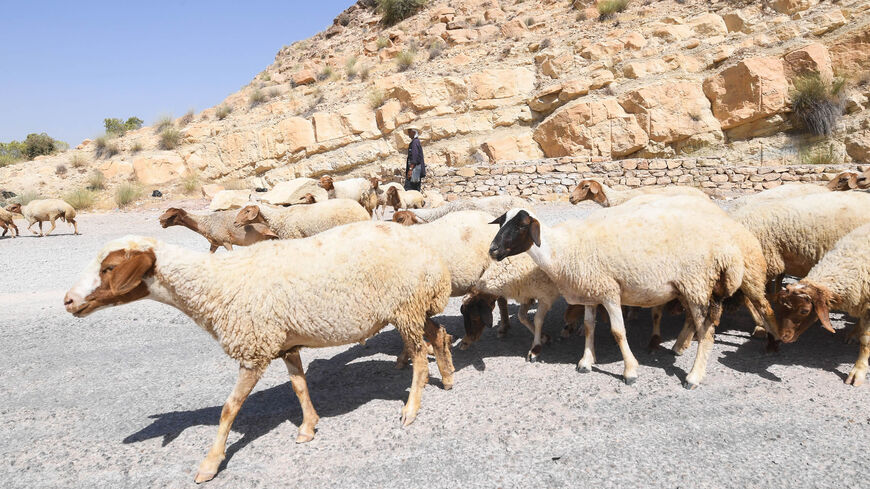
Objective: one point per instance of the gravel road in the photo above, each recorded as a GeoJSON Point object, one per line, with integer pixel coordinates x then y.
{"type": "Point", "coordinates": [131, 396]}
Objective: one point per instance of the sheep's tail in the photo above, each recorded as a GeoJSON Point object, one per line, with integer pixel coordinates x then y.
{"type": "Point", "coordinates": [68, 214]}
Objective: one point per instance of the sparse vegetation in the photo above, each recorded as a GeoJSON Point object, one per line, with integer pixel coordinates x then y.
{"type": "Point", "coordinates": [106, 146]}
{"type": "Point", "coordinates": [405, 60]}
{"type": "Point", "coordinates": [376, 99]}
{"type": "Point", "coordinates": [350, 68]}
{"type": "Point", "coordinates": [162, 123]}
{"type": "Point", "coordinates": [257, 97]}
{"type": "Point", "coordinates": [80, 198]}
{"type": "Point", "coordinates": [137, 147]}
{"type": "Point", "coordinates": [435, 49]}
{"type": "Point", "coordinates": [126, 193]}
{"type": "Point", "coordinates": [78, 160]}
{"type": "Point", "coordinates": [395, 11]}
{"type": "Point", "coordinates": [273, 93]}
{"type": "Point", "coordinates": [609, 8]}
{"type": "Point", "coordinates": [223, 111]}
{"type": "Point", "coordinates": [530, 21]}
{"type": "Point", "coordinates": [169, 138]}
{"type": "Point", "coordinates": [26, 197]}
{"type": "Point", "coordinates": [60, 170]}
{"type": "Point", "coordinates": [96, 181]}
{"type": "Point", "coordinates": [186, 118]}
{"type": "Point", "coordinates": [364, 71]}
{"type": "Point", "coordinates": [816, 104]}
{"type": "Point", "coordinates": [819, 154]}
{"type": "Point", "coordinates": [383, 42]}
{"type": "Point", "coordinates": [119, 127]}
{"type": "Point", "coordinates": [190, 182]}
{"type": "Point", "coordinates": [266, 77]}
{"type": "Point", "coordinates": [325, 73]}
{"type": "Point", "coordinates": [343, 19]}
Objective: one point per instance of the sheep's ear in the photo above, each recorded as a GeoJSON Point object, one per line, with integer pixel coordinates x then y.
{"type": "Point", "coordinates": [853, 181]}
{"type": "Point", "coordinates": [128, 274]}
{"type": "Point", "coordinates": [500, 220]}
{"type": "Point", "coordinates": [594, 187]}
{"type": "Point", "coordinates": [535, 231]}
{"type": "Point", "coordinates": [820, 302]}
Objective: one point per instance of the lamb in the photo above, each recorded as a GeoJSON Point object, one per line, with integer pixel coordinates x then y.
{"type": "Point", "coordinates": [619, 256]}
{"type": "Point", "coordinates": [218, 228]}
{"type": "Point", "coordinates": [382, 195]}
{"type": "Point", "coordinates": [7, 222]}
{"type": "Point", "coordinates": [839, 281]}
{"type": "Point", "coordinates": [404, 199]}
{"type": "Point", "coordinates": [46, 210]}
{"type": "Point", "coordinates": [495, 205]}
{"type": "Point", "coordinates": [270, 300]}
{"type": "Point", "coordinates": [596, 191]}
{"type": "Point", "coordinates": [358, 189]}
{"type": "Point", "coordinates": [302, 221]}
{"type": "Point", "coordinates": [796, 233]}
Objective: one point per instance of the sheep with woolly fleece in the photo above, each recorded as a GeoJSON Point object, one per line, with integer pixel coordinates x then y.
{"type": "Point", "coordinates": [432, 199]}
{"type": "Point", "coordinates": [301, 221]}
{"type": "Point", "coordinates": [46, 210]}
{"type": "Point", "coordinates": [782, 192]}
{"type": "Point", "coordinates": [382, 196]}
{"type": "Point", "coordinates": [598, 192]}
{"type": "Point", "coordinates": [7, 222]}
{"type": "Point", "coordinates": [839, 281]}
{"type": "Point", "coordinates": [270, 300]}
{"type": "Point", "coordinates": [358, 189]}
{"type": "Point", "coordinates": [619, 255]}
{"type": "Point", "coordinates": [796, 233]}
{"type": "Point", "coordinates": [404, 199]}
{"type": "Point", "coordinates": [495, 205]}
{"type": "Point", "coordinates": [218, 228]}
{"type": "Point", "coordinates": [293, 192]}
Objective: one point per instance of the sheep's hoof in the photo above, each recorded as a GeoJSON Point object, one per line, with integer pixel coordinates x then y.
{"type": "Point", "coordinates": [759, 332]}
{"type": "Point", "coordinates": [856, 377]}
{"type": "Point", "coordinates": [447, 386]}
{"type": "Point", "coordinates": [630, 380]}
{"type": "Point", "coordinates": [203, 477]}
{"type": "Point", "coordinates": [583, 369]}
{"type": "Point", "coordinates": [531, 358]}
{"type": "Point", "coordinates": [304, 437]}
{"type": "Point", "coordinates": [689, 385]}
{"type": "Point", "coordinates": [408, 418]}
{"type": "Point", "coordinates": [654, 343]}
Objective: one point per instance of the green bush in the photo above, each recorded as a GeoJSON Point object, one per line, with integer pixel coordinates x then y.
{"type": "Point", "coordinates": [126, 193]}
{"type": "Point", "coordinates": [395, 11]}
{"type": "Point", "coordinates": [169, 138]}
{"type": "Point", "coordinates": [11, 152]}
{"type": "Point", "coordinates": [80, 198]}
{"type": "Point", "coordinates": [222, 112]}
{"type": "Point", "coordinates": [405, 60]}
{"type": "Point", "coordinates": [609, 8]}
{"type": "Point", "coordinates": [96, 181]}
{"type": "Point", "coordinates": [119, 127]}
{"type": "Point", "coordinates": [819, 154]}
{"type": "Point", "coordinates": [816, 104]}
{"type": "Point", "coordinates": [38, 145]}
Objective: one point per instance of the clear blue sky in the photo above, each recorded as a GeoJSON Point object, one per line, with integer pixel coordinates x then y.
{"type": "Point", "coordinates": [65, 65]}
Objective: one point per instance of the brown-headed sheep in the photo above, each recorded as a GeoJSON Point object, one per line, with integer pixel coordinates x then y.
{"type": "Point", "coordinates": [301, 221]}
{"type": "Point", "coordinates": [218, 228]}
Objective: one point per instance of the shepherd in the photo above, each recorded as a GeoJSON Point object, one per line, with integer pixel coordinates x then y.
{"type": "Point", "coordinates": [415, 167]}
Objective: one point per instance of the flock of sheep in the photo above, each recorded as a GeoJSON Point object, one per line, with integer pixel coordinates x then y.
{"type": "Point", "coordinates": [328, 274]}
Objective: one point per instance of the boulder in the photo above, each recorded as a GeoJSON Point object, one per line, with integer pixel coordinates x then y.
{"type": "Point", "coordinates": [292, 192]}
{"type": "Point", "coordinates": [511, 147]}
{"type": "Point", "coordinates": [304, 77]}
{"type": "Point", "coordinates": [297, 133]}
{"type": "Point", "coordinates": [597, 128]}
{"type": "Point", "coordinates": [828, 21]}
{"type": "Point", "coordinates": [328, 126]}
{"type": "Point", "coordinates": [229, 199]}
{"type": "Point", "coordinates": [849, 52]}
{"type": "Point", "coordinates": [513, 29]}
{"type": "Point", "coordinates": [460, 36]}
{"type": "Point", "coordinates": [735, 21]}
{"type": "Point", "coordinates": [642, 68]}
{"type": "Point", "coordinates": [672, 111]}
{"type": "Point", "coordinates": [209, 190]}
{"type": "Point", "coordinates": [791, 6]}
{"type": "Point", "coordinates": [117, 169]}
{"type": "Point", "coordinates": [753, 89]}
{"type": "Point", "coordinates": [858, 146]}
{"type": "Point", "coordinates": [708, 25]}
{"type": "Point", "coordinates": [813, 58]}
{"type": "Point", "coordinates": [158, 167]}
{"type": "Point", "coordinates": [386, 115]}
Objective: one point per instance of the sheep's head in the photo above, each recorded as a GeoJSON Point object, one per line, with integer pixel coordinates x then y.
{"type": "Point", "coordinates": [248, 215]}
{"type": "Point", "coordinates": [374, 182]}
{"type": "Point", "coordinates": [588, 190]}
{"type": "Point", "coordinates": [477, 315]}
{"type": "Point", "coordinates": [117, 276]}
{"type": "Point", "coordinates": [326, 183]}
{"type": "Point", "coordinates": [14, 208]}
{"type": "Point", "coordinates": [406, 218]}
{"type": "Point", "coordinates": [308, 199]}
{"type": "Point", "coordinates": [519, 231]}
{"type": "Point", "coordinates": [844, 181]}
{"type": "Point", "coordinates": [798, 306]}
{"type": "Point", "coordinates": [863, 180]}
{"type": "Point", "coordinates": [172, 217]}
{"type": "Point", "coordinates": [393, 198]}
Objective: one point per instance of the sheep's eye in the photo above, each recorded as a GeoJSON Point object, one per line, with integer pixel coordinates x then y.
{"type": "Point", "coordinates": [805, 311]}
{"type": "Point", "coordinates": [108, 269]}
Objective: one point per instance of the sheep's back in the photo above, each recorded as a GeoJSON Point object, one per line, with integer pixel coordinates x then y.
{"type": "Point", "coordinates": [846, 269]}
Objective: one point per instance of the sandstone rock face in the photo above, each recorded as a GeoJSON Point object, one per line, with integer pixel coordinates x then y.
{"type": "Point", "coordinates": [229, 199]}
{"type": "Point", "coordinates": [849, 53]}
{"type": "Point", "coordinates": [157, 168]}
{"type": "Point", "coordinates": [813, 58]}
{"type": "Point", "coordinates": [501, 83]}
{"type": "Point", "coordinates": [304, 77]}
{"type": "Point", "coordinates": [753, 89]}
{"type": "Point", "coordinates": [792, 6]}
{"type": "Point", "coordinates": [671, 112]}
{"type": "Point", "coordinates": [292, 192]}
{"type": "Point", "coordinates": [858, 146]}
{"type": "Point", "coordinates": [209, 190]}
{"type": "Point", "coordinates": [297, 133]}
{"type": "Point", "coordinates": [599, 127]}
{"type": "Point", "coordinates": [512, 147]}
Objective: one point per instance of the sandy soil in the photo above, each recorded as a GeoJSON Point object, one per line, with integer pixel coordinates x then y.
{"type": "Point", "coordinates": [131, 396]}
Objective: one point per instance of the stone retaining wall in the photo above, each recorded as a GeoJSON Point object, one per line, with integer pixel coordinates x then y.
{"type": "Point", "coordinates": [552, 179]}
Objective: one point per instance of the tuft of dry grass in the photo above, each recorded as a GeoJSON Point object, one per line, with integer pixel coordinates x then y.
{"type": "Point", "coordinates": [80, 198]}
{"type": "Point", "coordinates": [96, 181]}
{"type": "Point", "coordinates": [78, 160]}
{"type": "Point", "coordinates": [162, 123]}
{"type": "Point", "coordinates": [169, 138]}
{"type": "Point", "coordinates": [405, 60]}
{"type": "Point", "coordinates": [609, 8]}
{"type": "Point", "coordinates": [816, 104]}
{"type": "Point", "coordinates": [190, 182]}
{"type": "Point", "coordinates": [126, 193]}
{"type": "Point", "coordinates": [376, 98]}
{"type": "Point", "coordinates": [222, 112]}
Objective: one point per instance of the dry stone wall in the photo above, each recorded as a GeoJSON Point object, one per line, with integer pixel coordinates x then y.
{"type": "Point", "coordinates": [553, 178]}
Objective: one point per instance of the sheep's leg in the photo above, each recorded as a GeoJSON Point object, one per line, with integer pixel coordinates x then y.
{"type": "Point", "coordinates": [440, 341]}
{"type": "Point", "coordinates": [30, 226]}
{"type": "Point", "coordinates": [540, 315]}
{"type": "Point", "coordinates": [74, 224]}
{"type": "Point", "coordinates": [704, 331]}
{"type": "Point", "coordinates": [684, 339]}
{"type": "Point", "coordinates": [421, 376]}
{"type": "Point", "coordinates": [859, 371]}
{"type": "Point", "coordinates": [853, 334]}
{"type": "Point", "coordinates": [228, 246]}
{"type": "Point", "coordinates": [656, 338]}
{"type": "Point", "coordinates": [53, 225]}
{"type": "Point", "coordinates": [248, 378]}
{"type": "Point", "coordinates": [585, 364]}
{"type": "Point", "coordinates": [617, 329]}
{"type": "Point", "coordinates": [300, 387]}
{"type": "Point", "coordinates": [504, 317]}
{"type": "Point", "coordinates": [213, 247]}
{"type": "Point", "coordinates": [573, 315]}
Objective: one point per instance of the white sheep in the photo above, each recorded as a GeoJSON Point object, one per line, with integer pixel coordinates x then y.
{"type": "Point", "coordinates": [598, 192]}
{"type": "Point", "coordinates": [620, 256]}
{"type": "Point", "coordinates": [796, 233]}
{"type": "Point", "coordinates": [839, 281]}
{"type": "Point", "coordinates": [495, 205]}
{"type": "Point", "coordinates": [782, 192]}
{"type": "Point", "coordinates": [270, 300]}
{"type": "Point", "coordinates": [301, 221]}
{"type": "Point", "coordinates": [382, 196]}
{"type": "Point", "coordinates": [218, 228]}
{"type": "Point", "coordinates": [433, 199]}
{"type": "Point", "coordinates": [7, 222]}
{"type": "Point", "coordinates": [404, 199]}
{"type": "Point", "coordinates": [358, 189]}
{"type": "Point", "coordinates": [45, 210]}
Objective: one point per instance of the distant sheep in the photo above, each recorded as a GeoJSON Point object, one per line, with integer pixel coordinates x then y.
{"type": "Point", "coordinates": [218, 228]}
{"type": "Point", "coordinates": [46, 210]}
{"type": "Point", "coordinates": [495, 205]}
{"type": "Point", "coordinates": [7, 222]}
{"type": "Point", "coordinates": [404, 199]}
{"type": "Point", "coordinates": [598, 192]}
{"type": "Point", "coordinates": [301, 221]}
{"type": "Point", "coordinates": [358, 189]}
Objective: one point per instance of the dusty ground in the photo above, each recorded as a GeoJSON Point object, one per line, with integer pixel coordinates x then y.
{"type": "Point", "coordinates": [131, 396]}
